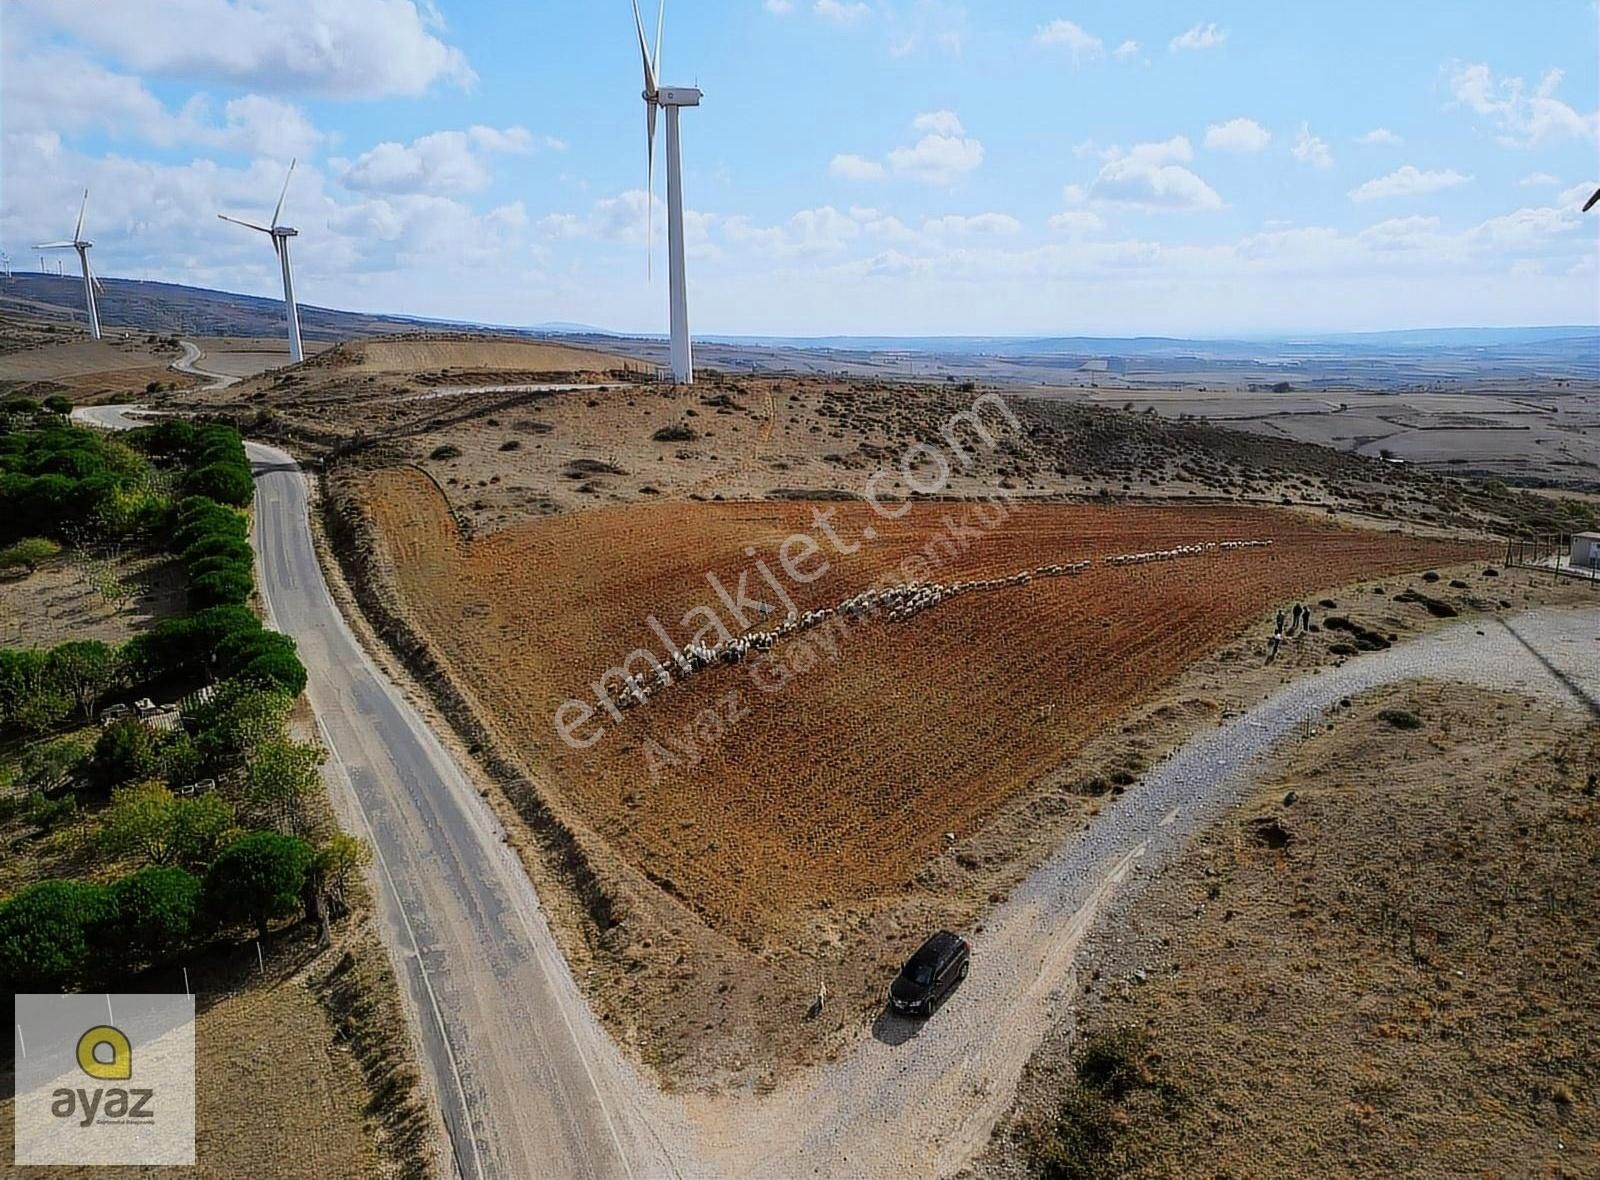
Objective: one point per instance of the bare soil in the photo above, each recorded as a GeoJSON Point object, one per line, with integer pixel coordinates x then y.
{"type": "Point", "coordinates": [1381, 964]}
{"type": "Point", "coordinates": [60, 601]}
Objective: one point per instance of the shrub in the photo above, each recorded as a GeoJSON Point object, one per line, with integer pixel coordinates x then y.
{"type": "Point", "coordinates": [1400, 718]}
{"type": "Point", "coordinates": [677, 432]}
{"type": "Point", "coordinates": [257, 879]}
{"type": "Point", "coordinates": [48, 766]}
{"type": "Point", "coordinates": [28, 553]}
{"type": "Point", "coordinates": [47, 814]}
{"type": "Point", "coordinates": [445, 453]}
{"type": "Point", "coordinates": [46, 936]}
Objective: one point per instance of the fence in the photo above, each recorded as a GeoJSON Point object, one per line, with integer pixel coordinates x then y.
{"type": "Point", "coordinates": [1552, 552]}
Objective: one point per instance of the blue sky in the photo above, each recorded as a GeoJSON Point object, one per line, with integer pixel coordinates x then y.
{"type": "Point", "coordinates": [858, 167]}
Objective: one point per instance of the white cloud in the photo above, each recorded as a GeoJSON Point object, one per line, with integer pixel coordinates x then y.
{"type": "Point", "coordinates": [840, 11]}
{"type": "Point", "coordinates": [1407, 181]}
{"type": "Point", "coordinates": [1237, 135]}
{"type": "Point", "coordinates": [343, 48]}
{"type": "Point", "coordinates": [943, 155]}
{"type": "Point", "coordinates": [445, 162]}
{"type": "Point", "coordinates": [1576, 195]}
{"type": "Point", "coordinates": [980, 224]}
{"type": "Point", "coordinates": [1148, 176]}
{"type": "Point", "coordinates": [850, 166]}
{"type": "Point", "coordinates": [779, 7]}
{"type": "Point", "coordinates": [1082, 43]}
{"type": "Point", "coordinates": [58, 91]}
{"type": "Point", "coordinates": [1539, 179]}
{"type": "Point", "coordinates": [1127, 49]}
{"type": "Point", "coordinates": [1524, 118]}
{"type": "Point", "coordinates": [1380, 136]}
{"type": "Point", "coordinates": [1200, 37]}
{"type": "Point", "coordinates": [1310, 150]}
{"type": "Point", "coordinates": [937, 159]}
{"type": "Point", "coordinates": [1077, 222]}
{"type": "Point", "coordinates": [938, 123]}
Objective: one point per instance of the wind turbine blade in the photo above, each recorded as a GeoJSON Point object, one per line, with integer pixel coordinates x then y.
{"type": "Point", "coordinates": [94, 278]}
{"type": "Point", "coordinates": [1592, 201]}
{"type": "Point", "coordinates": [283, 194]}
{"type": "Point", "coordinates": [644, 51]}
{"type": "Point", "coordinates": [236, 221]}
{"type": "Point", "coordinates": [661, 19]}
{"type": "Point", "coordinates": [77, 234]}
{"type": "Point", "coordinates": [54, 245]}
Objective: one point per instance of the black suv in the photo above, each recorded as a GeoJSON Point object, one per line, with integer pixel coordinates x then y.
{"type": "Point", "coordinates": [930, 975]}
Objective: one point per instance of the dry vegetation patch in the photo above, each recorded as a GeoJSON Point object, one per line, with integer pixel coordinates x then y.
{"type": "Point", "coordinates": [1401, 981]}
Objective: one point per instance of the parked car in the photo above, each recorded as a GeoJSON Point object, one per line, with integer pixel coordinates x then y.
{"type": "Point", "coordinates": [930, 975]}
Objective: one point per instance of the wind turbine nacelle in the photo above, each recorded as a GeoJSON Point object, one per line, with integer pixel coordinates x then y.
{"type": "Point", "coordinates": [285, 231]}
{"type": "Point", "coordinates": [678, 96]}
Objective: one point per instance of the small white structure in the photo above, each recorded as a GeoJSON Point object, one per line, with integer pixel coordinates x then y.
{"type": "Point", "coordinates": [1585, 551]}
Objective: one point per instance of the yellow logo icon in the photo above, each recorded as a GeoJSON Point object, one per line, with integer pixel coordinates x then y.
{"type": "Point", "coordinates": [93, 1047]}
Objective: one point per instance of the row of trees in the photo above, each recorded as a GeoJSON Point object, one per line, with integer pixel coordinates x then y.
{"type": "Point", "coordinates": [78, 935]}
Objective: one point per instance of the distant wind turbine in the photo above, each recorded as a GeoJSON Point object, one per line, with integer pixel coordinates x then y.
{"type": "Point", "coordinates": [90, 283]}
{"type": "Point", "coordinates": [280, 235]}
{"type": "Point", "coordinates": [672, 98]}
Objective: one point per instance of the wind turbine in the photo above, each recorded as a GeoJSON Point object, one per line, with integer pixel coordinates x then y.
{"type": "Point", "coordinates": [672, 99]}
{"type": "Point", "coordinates": [90, 283]}
{"type": "Point", "coordinates": [280, 235]}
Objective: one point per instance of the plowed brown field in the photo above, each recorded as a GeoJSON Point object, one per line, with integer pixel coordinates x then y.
{"type": "Point", "coordinates": [839, 785]}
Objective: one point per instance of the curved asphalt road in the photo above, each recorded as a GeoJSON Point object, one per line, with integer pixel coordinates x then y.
{"type": "Point", "coordinates": [528, 1082]}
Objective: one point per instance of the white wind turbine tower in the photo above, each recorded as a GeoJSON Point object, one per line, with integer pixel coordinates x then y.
{"type": "Point", "coordinates": [280, 235]}
{"type": "Point", "coordinates": [672, 98]}
{"type": "Point", "coordinates": [90, 283]}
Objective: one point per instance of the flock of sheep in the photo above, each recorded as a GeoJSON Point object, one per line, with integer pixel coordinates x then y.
{"type": "Point", "coordinates": [1184, 551]}
{"type": "Point", "coordinates": [895, 604]}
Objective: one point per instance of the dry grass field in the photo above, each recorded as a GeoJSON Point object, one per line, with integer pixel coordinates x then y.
{"type": "Point", "coordinates": [434, 354]}
{"type": "Point", "coordinates": [40, 359]}
{"type": "Point", "coordinates": [1381, 964]}
{"type": "Point", "coordinates": [279, 1095]}
{"type": "Point", "coordinates": [839, 785]}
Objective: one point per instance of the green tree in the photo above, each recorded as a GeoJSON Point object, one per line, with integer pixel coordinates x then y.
{"type": "Point", "coordinates": [148, 822]}
{"type": "Point", "coordinates": [84, 670]}
{"type": "Point", "coordinates": [124, 751]}
{"type": "Point", "coordinates": [282, 775]}
{"type": "Point", "coordinates": [258, 878]}
{"type": "Point", "coordinates": [238, 719]}
{"type": "Point", "coordinates": [47, 936]}
{"type": "Point", "coordinates": [226, 483]}
{"type": "Point", "coordinates": [47, 766]}
{"type": "Point", "coordinates": [155, 912]}
{"type": "Point", "coordinates": [338, 862]}
{"type": "Point", "coordinates": [30, 699]}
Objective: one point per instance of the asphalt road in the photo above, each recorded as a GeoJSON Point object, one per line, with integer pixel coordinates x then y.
{"type": "Point", "coordinates": [528, 1083]}
{"type": "Point", "coordinates": [189, 363]}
